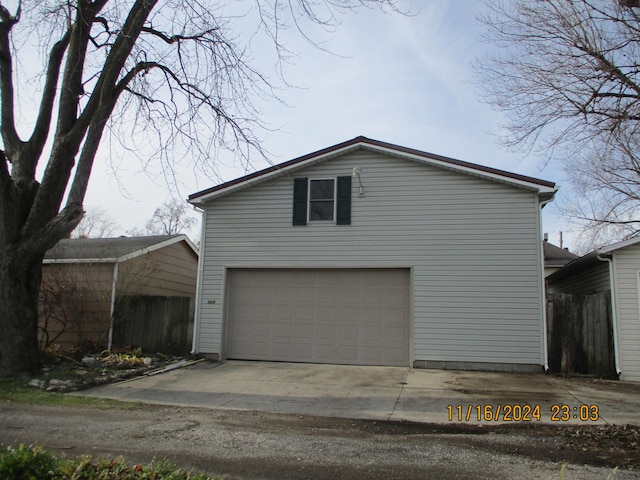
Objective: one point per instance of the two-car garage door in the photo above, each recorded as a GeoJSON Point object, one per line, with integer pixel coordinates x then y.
{"type": "Point", "coordinates": [341, 316]}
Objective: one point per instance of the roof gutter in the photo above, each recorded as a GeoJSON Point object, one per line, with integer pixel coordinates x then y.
{"type": "Point", "coordinates": [114, 286]}
{"type": "Point", "coordinates": [198, 309]}
{"type": "Point", "coordinates": [614, 314]}
{"type": "Point", "coordinates": [543, 297]}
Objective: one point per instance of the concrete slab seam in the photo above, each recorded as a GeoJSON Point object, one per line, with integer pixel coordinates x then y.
{"type": "Point", "coordinates": [402, 385]}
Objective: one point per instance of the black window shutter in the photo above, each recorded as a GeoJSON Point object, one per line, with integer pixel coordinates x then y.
{"type": "Point", "coordinates": [300, 187]}
{"type": "Point", "coordinates": [343, 210]}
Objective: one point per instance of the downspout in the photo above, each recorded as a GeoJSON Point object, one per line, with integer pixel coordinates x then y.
{"type": "Point", "coordinates": [545, 346]}
{"type": "Point", "coordinates": [614, 319]}
{"type": "Point", "coordinates": [114, 284]}
{"type": "Point", "coordinates": [197, 310]}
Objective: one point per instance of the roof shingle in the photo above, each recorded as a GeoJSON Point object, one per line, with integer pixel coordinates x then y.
{"type": "Point", "coordinates": [102, 248]}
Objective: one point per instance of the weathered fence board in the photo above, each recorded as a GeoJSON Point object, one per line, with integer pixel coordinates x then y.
{"type": "Point", "coordinates": [580, 334]}
{"type": "Point", "coordinates": [155, 324]}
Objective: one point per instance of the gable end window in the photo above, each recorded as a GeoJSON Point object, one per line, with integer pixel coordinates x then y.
{"type": "Point", "coordinates": [322, 200]}
{"type": "Point", "coordinates": [322, 194]}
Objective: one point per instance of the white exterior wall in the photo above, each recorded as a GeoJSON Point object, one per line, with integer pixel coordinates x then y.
{"type": "Point", "coordinates": [626, 268]}
{"type": "Point", "coordinates": [473, 247]}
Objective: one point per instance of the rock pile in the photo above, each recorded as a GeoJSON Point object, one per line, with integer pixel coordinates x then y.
{"type": "Point", "coordinates": [70, 375]}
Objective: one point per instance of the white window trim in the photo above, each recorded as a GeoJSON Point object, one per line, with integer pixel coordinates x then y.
{"type": "Point", "coordinates": [335, 200]}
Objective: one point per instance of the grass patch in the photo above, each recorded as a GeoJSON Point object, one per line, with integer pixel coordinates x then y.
{"type": "Point", "coordinates": [21, 462]}
{"type": "Point", "coordinates": [16, 390]}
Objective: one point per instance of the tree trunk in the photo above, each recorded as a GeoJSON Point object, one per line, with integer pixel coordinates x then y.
{"type": "Point", "coordinates": [20, 286]}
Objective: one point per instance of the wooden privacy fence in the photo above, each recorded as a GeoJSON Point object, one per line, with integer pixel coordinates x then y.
{"type": "Point", "coordinates": [155, 324]}
{"type": "Point", "coordinates": [580, 334]}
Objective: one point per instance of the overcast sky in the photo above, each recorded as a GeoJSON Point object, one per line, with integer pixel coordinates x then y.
{"type": "Point", "coordinates": [407, 80]}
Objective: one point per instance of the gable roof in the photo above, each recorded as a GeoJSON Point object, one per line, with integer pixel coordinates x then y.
{"type": "Point", "coordinates": [587, 261]}
{"type": "Point", "coordinates": [619, 245]}
{"type": "Point", "coordinates": [545, 189]}
{"type": "Point", "coordinates": [110, 250]}
{"type": "Point", "coordinates": [555, 256]}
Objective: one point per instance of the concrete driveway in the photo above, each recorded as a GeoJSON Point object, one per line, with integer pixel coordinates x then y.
{"type": "Point", "coordinates": [386, 393]}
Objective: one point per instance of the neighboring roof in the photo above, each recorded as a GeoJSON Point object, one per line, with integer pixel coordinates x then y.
{"type": "Point", "coordinates": [110, 250]}
{"type": "Point", "coordinates": [590, 259]}
{"type": "Point", "coordinates": [619, 245]}
{"type": "Point", "coordinates": [545, 188]}
{"type": "Point", "coordinates": [555, 256]}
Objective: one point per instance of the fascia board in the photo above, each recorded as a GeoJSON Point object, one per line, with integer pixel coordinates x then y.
{"type": "Point", "coordinates": [79, 260]}
{"type": "Point", "coordinates": [128, 256]}
{"type": "Point", "coordinates": [157, 246]}
{"type": "Point", "coordinates": [285, 170]}
{"type": "Point", "coordinates": [429, 160]}
{"type": "Point", "coordinates": [619, 245]}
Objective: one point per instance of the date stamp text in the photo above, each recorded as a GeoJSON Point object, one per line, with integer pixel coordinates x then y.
{"type": "Point", "coordinates": [522, 413]}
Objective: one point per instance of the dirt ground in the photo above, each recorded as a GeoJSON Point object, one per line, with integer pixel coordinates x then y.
{"type": "Point", "coordinates": [252, 445]}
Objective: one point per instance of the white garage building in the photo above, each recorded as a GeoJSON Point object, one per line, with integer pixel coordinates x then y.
{"type": "Point", "coordinates": [368, 253]}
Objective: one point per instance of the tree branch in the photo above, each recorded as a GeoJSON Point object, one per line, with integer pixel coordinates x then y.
{"type": "Point", "coordinates": [45, 114]}
{"type": "Point", "coordinates": [71, 130]}
{"type": "Point", "coordinates": [609, 67]}
{"type": "Point", "coordinates": [87, 156]}
{"type": "Point", "coordinates": [45, 238]}
{"type": "Point", "coordinates": [170, 39]}
{"type": "Point", "coordinates": [116, 59]}
{"type": "Point", "coordinates": [10, 136]}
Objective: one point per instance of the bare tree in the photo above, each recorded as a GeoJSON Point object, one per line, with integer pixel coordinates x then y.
{"type": "Point", "coordinates": [159, 73]}
{"type": "Point", "coordinates": [171, 218]}
{"type": "Point", "coordinates": [567, 75]}
{"type": "Point", "coordinates": [96, 223]}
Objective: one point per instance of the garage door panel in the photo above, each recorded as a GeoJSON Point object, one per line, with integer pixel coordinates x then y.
{"type": "Point", "coordinates": [326, 351]}
{"type": "Point", "coordinates": [357, 316]}
{"type": "Point", "coordinates": [348, 315]}
{"type": "Point", "coordinates": [350, 296]}
{"type": "Point", "coordinates": [371, 354]}
{"type": "Point", "coordinates": [278, 331]}
{"type": "Point", "coordinates": [304, 332]}
{"type": "Point", "coordinates": [393, 355]}
{"type": "Point", "coordinates": [257, 349]}
{"type": "Point", "coordinates": [349, 334]}
{"type": "Point", "coordinates": [304, 313]}
{"type": "Point", "coordinates": [373, 296]}
{"type": "Point", "coordinates": [327, 294]}
{"type": "Point", "coordinates": [328, 279]}
{"type": "Point", "coordinates": [395, 335]}
{"type": "Point", "coordinates": [282, 295]}
{"type": "Point", "coordinates": [303, 351]}
{"type": "Point", "coordinates": [395, 297]}
{"type": "Point", "coordinates": [374, 336]}
{"type": "Point", "coordinates": [326, 333]}
{"type": "Point", "coordinates": [326, 314]}
{"type": "Point", "coordinates": [303, 295]}
{"type": "Point", "coordinates": [348, 353]}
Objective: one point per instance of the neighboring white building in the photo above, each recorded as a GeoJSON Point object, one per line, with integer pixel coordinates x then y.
{"type": "Point", "coordinates": [615, 268]}
{"type": "Point", "coordinates": [370, 253]}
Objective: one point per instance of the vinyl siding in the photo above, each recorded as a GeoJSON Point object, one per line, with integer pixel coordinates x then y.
{"type": "Point", "coordinates": [593, 280]}
{"type": "Point", "coordinates": [473, 246]}
{"type": "Point", "coordinates": [82, 310]}
{"type": "Point", "coordinates": [626, 265]}
{"type": "Point", "coordinates": [169, 271]}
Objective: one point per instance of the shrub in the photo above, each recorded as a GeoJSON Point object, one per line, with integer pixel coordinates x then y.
{"type": "Point", "coordinates": [34, 463]}
{"type": "Point", "coordinates": [27, 463]}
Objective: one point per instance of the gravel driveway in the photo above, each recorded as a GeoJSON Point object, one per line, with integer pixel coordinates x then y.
{"type": "Point", "coordinates": [251, 445]}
